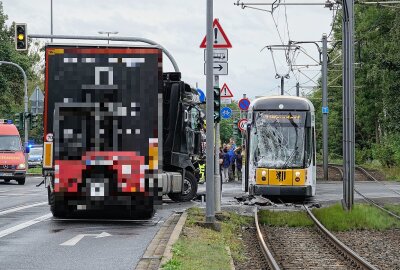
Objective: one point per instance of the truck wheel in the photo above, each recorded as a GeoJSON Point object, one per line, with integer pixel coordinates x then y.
{"type": "Point", "coordinates": [189, 189]}
{"type": "Point", "coordinates": [6, 180]}
{"type": "Point", "coordinates": [57, 209]}
{"type": "Point", "coordinates": [21, 181]}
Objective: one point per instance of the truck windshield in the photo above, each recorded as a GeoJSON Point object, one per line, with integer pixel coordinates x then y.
{"type": "Point", "coordinates": [10, 143]}
{"type": "Point", "coordinates": [277, 139]}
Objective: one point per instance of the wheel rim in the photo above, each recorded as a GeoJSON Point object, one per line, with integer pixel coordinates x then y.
{"type": "Point", "coordinates": [187, 187]}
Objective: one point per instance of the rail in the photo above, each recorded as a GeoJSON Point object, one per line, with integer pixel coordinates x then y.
{"type": "Point", "coordinates": [347, 252]}
{"type": "Point", "coordinates": [267, 254]}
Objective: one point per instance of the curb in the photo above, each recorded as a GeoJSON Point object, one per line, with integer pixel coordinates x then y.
{"type": "Point", "coordinates": [34, 174]}
{"type": "Point", "coordinates": [172, 239]}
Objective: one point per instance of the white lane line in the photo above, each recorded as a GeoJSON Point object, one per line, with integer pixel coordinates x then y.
{"type": "Point", "coordinates": [24, 225]}
{"type": "Point", "coordinates": [22, 207]}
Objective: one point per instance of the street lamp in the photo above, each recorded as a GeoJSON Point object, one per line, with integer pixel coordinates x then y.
{"type": "Point", "coordinates": [108, 34]}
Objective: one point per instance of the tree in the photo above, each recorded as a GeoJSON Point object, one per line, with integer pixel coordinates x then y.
{"type": "Point", "coordinates": [11, 80]}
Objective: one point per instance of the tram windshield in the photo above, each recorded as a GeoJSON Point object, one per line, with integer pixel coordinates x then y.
{"type": "Point", "coordinates": [277, 139]}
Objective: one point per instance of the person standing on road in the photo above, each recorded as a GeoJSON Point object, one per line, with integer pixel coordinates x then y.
{"type": "Point", "coordinates": [226, 165]}
{"type": "Point", "coordinates": [231, 154]}
{"type": "Point", "coordinates": [238, 161]}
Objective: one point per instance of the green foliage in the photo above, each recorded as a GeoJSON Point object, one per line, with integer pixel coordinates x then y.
{"type": "Point", "coordinates": [227, 125]}
{"type": "Point", "coordinates": [362, 217]}
{"type": "Point", "coordinates": [285, 218]}
{"type": "Point", "coordinates": [377, 84]}
{"type": "Point", "coordinates": [11, 80]}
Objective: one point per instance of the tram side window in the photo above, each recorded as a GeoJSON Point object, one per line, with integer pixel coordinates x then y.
{"type": "Point", "coordinates": [313, 146]}
{"type": "Point", "coordinates": [309, 146]}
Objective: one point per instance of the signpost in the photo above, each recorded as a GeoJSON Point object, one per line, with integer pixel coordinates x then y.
{"type": "Point", "coordinates": [242, 124]}
{"type": "Point", "coordinates": [226, 92]}
{"type": "Point", "coordinates": [226, 113]}
{"type": "Point", "coordinates": [244, 104]}
{"type": "Point", "coordinates": [220, 68]}
{"type": "Point", "coordinates": [37, 101]}
{"type": "Point", "coordinates": [219, 57]}
{"type": "Point", "coordinates": [202, 96]}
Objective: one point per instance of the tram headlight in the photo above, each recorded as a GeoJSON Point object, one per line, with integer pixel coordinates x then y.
{"type": "Point", "coordinates": [264, 173]}
{"type": "Point", "coordinates": [297, 174]}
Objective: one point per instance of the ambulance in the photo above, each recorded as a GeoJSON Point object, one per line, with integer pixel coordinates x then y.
{"type": "Point", "coordinates": [12, 158]}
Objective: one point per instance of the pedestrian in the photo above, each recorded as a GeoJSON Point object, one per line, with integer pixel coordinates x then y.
{"type": "Point", "coordinates": [225, 165]}
{"type": "Point", "coordinates": [231, 155]}
{"type": "Point", "coordinates": [238, 161]}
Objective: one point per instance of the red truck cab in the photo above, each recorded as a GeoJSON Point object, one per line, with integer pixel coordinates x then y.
{"type": "Point", "coordinates": [12, 159]}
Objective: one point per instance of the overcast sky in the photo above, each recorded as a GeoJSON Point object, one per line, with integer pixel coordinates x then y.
{"type": "Point", "coordinates": [179, 25]}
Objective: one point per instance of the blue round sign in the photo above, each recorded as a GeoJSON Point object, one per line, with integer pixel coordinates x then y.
{"type": "Point", "coordinates": [202, 96]}
{"type": "Point", "coordinates": [226, 113]}
{"type": "Point", "coordinates": [244, 104]}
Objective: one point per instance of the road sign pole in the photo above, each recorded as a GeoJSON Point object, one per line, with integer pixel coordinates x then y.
{"type": "Point", "coordinates": [210, 202]}
{"type": "Point", "coordinates": [325, 104]}
{"type": "Point", "coordinates": [217, 176]}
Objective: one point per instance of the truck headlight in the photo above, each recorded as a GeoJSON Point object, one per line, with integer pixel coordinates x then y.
{"type": "Point", "coordinates": [21, 166]}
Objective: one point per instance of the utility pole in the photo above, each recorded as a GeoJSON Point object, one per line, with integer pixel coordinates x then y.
{"type": "Point", "coordinates": [348, 104]}
{"type": "Point", "coordinates": [282, 86]}
{"type": "Point", "coordinates": [297, 89]}
{"type": "Point", "coordinates": [324, 71]}
{"type": "Point", "coordinates": [210, 192]}
{"type": "Point", "coordinates": [51, 19]}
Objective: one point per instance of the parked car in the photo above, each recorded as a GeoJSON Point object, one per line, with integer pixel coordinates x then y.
{"type": "Point", "coordinates": [35, 158]}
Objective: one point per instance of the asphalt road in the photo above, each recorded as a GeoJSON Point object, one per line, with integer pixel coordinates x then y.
{"type": "Point", "coordinates": [30, 238]}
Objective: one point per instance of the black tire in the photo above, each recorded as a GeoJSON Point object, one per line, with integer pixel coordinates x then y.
{"type": "Point", "coordinates": [21, 181]}
{"type": "Point", "coordinates": [189, 189]}
{"type": "Point", "coordinates": [58, 209]}
{"type": "Point", "coordinates": [6, 180]}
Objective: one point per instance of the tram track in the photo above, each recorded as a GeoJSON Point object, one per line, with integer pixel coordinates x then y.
{"type": "Point", "coordinates": [306, 248]}
{"type": "Point", "coordinates": [372, 178]}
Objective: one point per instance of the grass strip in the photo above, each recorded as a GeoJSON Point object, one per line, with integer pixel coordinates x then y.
{"type": "Point", "coordinates": [37, 170]}
{"type": "Point", "coordinates": [201, 248]}
{"type": "Point", "coordinates": [285, 218]}
{"type": "Point", "coordinates": [395, 208]}
{"type": "Point", "coordinates": [362, 217]}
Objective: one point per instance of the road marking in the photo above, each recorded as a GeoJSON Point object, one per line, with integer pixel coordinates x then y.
{"type": "Point", "coordinates": [24, 225]}
{"type": "Point", "coordinates": [18, 208]}
{"type": "Point", "coordinates": [74, 240]}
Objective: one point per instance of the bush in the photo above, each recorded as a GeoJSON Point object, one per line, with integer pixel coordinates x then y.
{"type": "Point", "coordinates": [388, 152]}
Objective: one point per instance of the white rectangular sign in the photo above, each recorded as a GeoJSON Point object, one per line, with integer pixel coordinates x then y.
{"type": "Point", "coordinates": [226, 100]}
{"type": "Point", "coordinates": [220, 68]}
{"type": "Point", "coordinates": [219, 55]}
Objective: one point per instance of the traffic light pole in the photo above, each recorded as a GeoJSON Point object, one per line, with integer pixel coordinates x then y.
{"type": "Point", "coordinates": [217, 176]}
{"type": "Point", "coordinates": [210, 192]}
{"type": "Point", "coordinates": [25, 100]}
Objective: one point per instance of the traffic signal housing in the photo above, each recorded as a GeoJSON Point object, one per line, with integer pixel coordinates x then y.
{"type": "Point", "coordinates": [217, 104]}
{"type": "Point", "coordinates": [19, 120]}
{"type": "Point", "coordinates": [21, 37]}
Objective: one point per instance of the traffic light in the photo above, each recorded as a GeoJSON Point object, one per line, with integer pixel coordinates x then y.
{"type": "Point", "coordinates": [21, 37]}
{"type": "Point", "coordinates": [235, 128]}
{"type": "Point", "coordinates": [19, 120]}
{"type": "Point", "coordinates": [217, 104]}
{"type": "Point", "coordinates": [34, 121]}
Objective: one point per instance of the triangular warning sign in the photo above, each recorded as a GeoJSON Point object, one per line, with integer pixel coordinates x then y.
{"type": "Point", "coordinates": [220, 38]}
{"type": "Point", "coordinates": [226, 92]}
